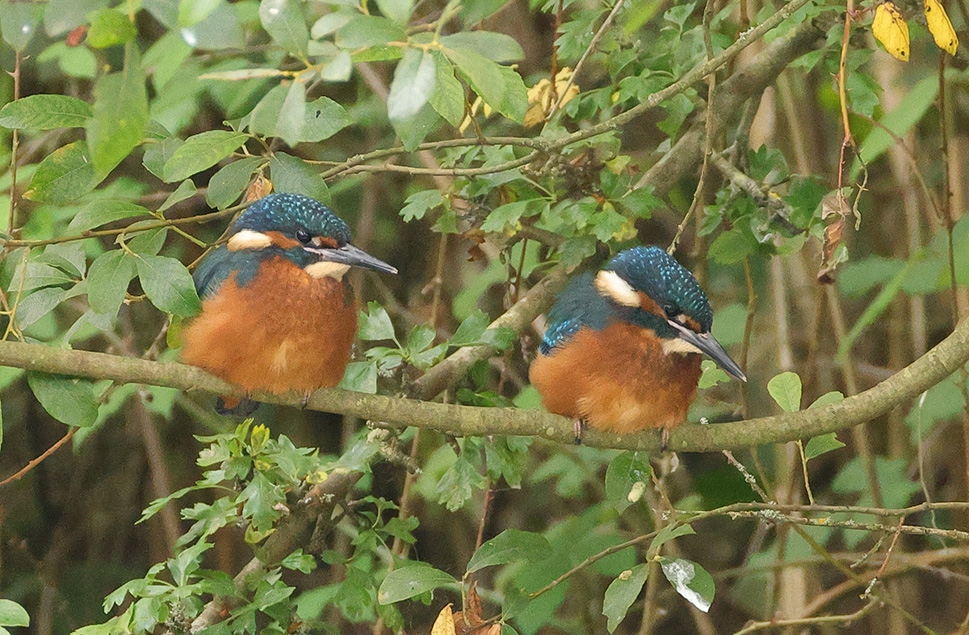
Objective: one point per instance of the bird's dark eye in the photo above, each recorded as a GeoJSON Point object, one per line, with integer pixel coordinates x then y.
{"type": "Point", "coordinates": [303, 236]}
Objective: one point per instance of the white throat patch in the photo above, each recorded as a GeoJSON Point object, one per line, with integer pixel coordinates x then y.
{"type": "Point", "coordinates": [610, 285]}
{"type": "Point", "coordinates": [677, 345]}
{"type": "Point", "coordinates": [327, 269]}
{"type": "Point", "coordinates": [249, 239]}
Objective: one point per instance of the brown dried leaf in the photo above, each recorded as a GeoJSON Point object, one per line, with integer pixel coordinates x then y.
{"type": "Point", "coordinates": [260, 188]}
{"type": "Point", "coordinates": [831, 206]}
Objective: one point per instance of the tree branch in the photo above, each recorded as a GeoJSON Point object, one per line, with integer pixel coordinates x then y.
{"type": "Point", "coordinates": [937, 364]}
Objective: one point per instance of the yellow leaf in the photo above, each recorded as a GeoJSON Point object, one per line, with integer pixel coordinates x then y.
{"type": "Point", "coordinates": [444, 624]}
{"type": "Point", "coordinates": [540, 96]}
{"type": "Point", "coordinates": [940, 27]}
{"type": "Point", "coordinates": [891, 29]}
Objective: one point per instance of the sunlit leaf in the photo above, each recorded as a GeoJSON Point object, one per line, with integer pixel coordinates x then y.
{"type": "Point", "coordinates": [413, 84]}
{"type": "Point", "coordinates": [785, 388]}
{"type": "Point", "coordinates": [690, 580]}
{"type": "Point", "coordinates": [891, 29]}
{"type": "Point", "coordinates": [941, 27]}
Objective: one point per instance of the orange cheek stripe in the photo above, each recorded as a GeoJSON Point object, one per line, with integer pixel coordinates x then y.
{"type": "Point", "coordinates": [647, 303]}
{"type": "Point", "coordinates": [281, 240]}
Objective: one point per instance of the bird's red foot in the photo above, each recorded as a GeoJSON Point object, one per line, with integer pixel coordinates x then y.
{"type": "Point", "coordinates": [235, 407]}
{"type": "Point", "coordinates": [578, 429]}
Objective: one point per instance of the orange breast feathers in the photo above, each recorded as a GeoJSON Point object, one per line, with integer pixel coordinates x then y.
{"type": "Point", "coordinates": [618, 379]}
{"type": "Point", "coordinates": [285, 331]}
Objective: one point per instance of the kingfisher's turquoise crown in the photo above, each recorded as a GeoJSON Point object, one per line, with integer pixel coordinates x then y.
{"type": "Point", "coordinates": [658, 275]}
{"type": "Point", "coordinates": [289, 213]}
{"type": "Point", "coordinates": [648, 269]}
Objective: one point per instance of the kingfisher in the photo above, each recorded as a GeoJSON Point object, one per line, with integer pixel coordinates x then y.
{"type": "Point", "coordinates": [622, 348]}
{"type": "Point", "coordinates": [277, 315]}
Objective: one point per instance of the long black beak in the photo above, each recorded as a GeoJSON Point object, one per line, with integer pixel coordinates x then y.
{"type": "Point", "coordinates": [350, 255]}
{"type": "Point", "coordinates": [709, 345]}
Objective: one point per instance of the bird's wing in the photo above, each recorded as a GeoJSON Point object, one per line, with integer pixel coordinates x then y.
{"type": "Point", "coordinates": [578, 306]}
{"type": "Point", "coordinates": [213, 271]}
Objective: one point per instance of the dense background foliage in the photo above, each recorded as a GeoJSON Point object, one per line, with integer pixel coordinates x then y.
{"type": "Point", "coordinates": [814, 183]}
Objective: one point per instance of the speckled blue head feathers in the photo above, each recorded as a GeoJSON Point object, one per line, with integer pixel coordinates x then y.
{"type": "Point", "coordinates": [291, 213]}
{"type": "Point", "coordinates": [668, 283]}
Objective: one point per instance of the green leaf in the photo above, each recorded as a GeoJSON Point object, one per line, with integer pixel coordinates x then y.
{"type": "Point", "coordinates": [283, 20]}
{"type": "Point", "coordinates": [785, 388]}
{"type": "Point", "coordinates": [511, 545]}
{"type": "Point", "coordinates": [414, 130]}
{"type": "Point", "coordinates": [191, 12]}
{"type": "Point", "coordinates": [497, 47]}
{"type": "Point", "coordinates": [157, 153]}
{"type": "Point", "coordinates": [168, 285]}
{"type": "Point", "coordinates": [418, 203]}
{"type": "Point", "coordinates": [360, 377]}
{"type": "Point", "coordinates": [108, 280]}
{"type": "Point", "coordinates": [220, 30]}
{"type": "Point", "coordinates": [483, 75]}
{"type": "Point", "coordinates": [120, 115]}
{"type": "Point", "coordinates": [413, 579]}
{"type": "Point", "coordinates": [12, 614]}
{"type": "Point", "coordinates": [292, 115]}
{"type": "Point", "coordinates": [18, 22]}
{"type": "Point", "coordinates": [447, 98]}
{"type": "Point", "coordinates": [376, 325]}
{"type": "Point", "coordinates": [200, 152]}
{"type": "Point", "coordinates": [364, 31]}
{"type": "Point", "coordinates": [228, 184]}
{"type": "Point", "coordinates": [324, 118]}
{"type": "Point", "coordinates": [690, 580]}
{"type": "Point", "coordinates": [817, 446]}
{"type": "Point", "coordinates": [413, 84]}
{"type": "Point", "coordinates": [627, 477]}
{"type": "Point", "coordinates": [909, 111]}
{"type": "Point", "coordinates": [621, 594]}
{"type": "Point", "coordinates": [46, 112]}
{"type": "Point", "coordinates": [508, 215]}
{"type": "Point", "coordinates": [68, 400]}
{"type": "Point", "coordinates": [184, 190]}
{"type": "Point", "coordinates": [667, 533]}
{"type": "Point", "coordinates": [397, 10]}
{"type": "Point", "coordinates": [712, 375]}
{"type": "Point", "coordinates": [290, 174]}
{"type": "Point", "coordinates": [827, 399]}
{"type": "Point", "coordinates": [471, 329]}
{"type": "Point", "coordinates": [110, 28]}
{"type": "Point", "coordinates": [37, 305]}
{"type": "Point", "coordinates": [63, 176]}
{"type": "Point", "coordinates": [102, 212]}
{"type": "Point", "coordinates": [458, 484]}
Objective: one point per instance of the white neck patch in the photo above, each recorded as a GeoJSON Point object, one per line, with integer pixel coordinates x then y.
{"type": "Point", "coordinates": [327, 269]}
{"type": "Point", "coordinates": [610, 285]}
{"type": "Point", "coordinates": [249, 239]}
{"type": "Point", "coordinates": [680, 346]}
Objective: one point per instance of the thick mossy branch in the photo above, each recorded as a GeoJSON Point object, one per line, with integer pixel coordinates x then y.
{"type": "Point", "coordinates": [922, 374]}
